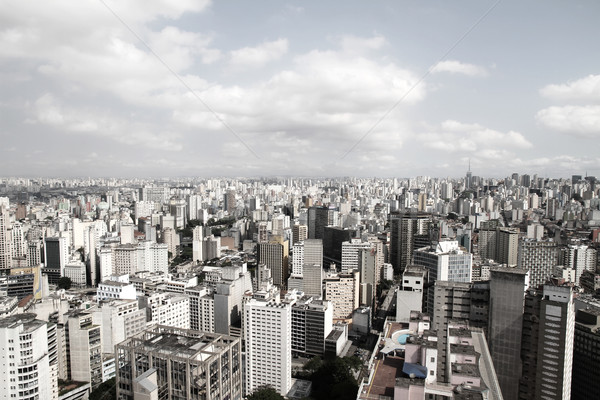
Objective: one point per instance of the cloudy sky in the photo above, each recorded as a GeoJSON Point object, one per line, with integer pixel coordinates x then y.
{"type": "Point", "coordinates": [311, 88]}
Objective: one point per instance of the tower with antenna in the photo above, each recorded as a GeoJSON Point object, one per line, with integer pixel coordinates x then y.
{"type": "Point", "coordinates": [469, 178]}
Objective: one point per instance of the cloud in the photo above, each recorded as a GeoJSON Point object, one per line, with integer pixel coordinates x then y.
{"type": "Point", "coordinates": [453, 137]}
{"type": "Point", "coordinates": [255, 57]}
{"type": "Point", "coordinates": [582, 121]}
{"type": "Point", "coordinates": [584, 89]}
{"type": "Point", "coordinates": [85, 122]}
{"type": "Point", "coordinates": [457, 67]}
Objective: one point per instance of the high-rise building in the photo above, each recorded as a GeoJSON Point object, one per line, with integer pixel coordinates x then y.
{"type": "Point", "coordinates": [275, 256]}
{"type": "Point", "coordinates": [343, 292]}
{"type": "Point", "coordinates": [586, 353]}
{"type": "Point", "coordinates": [548, 350]}
{"type": "Point", "coordinates": [268, 337]}
{"type": "Point", "coordinates": [170, 363]}
{"type": "Point", "coordinates": [311, 324]}
{"type": "Point", "coordinates": [26, 369]}
{"type": "Point", "coordinates": [446, 261]}
{"type": "Point", "coordinates": [488, 239]}
{"type": "Point", "coordinates": [84, 348]}
{"type": "Point", "coordinates": [539, 257]}
{"type": "Point", "coordinates": [229, 203]}
{"type": "Point", "coordinates": [318, 219]}
{"type": "Point", "coordinates": [507, 291]}
{"type": "Point", "coordinates": [403, 229]}
{"type": "Point", "coordinates": [309, 251]}
{"type": "Point", "coordinates": [351, 254]}
{"type": "Point", "coordinates": [508, 246]}
{"type": "Point", "coordinates": [299, 233]}
{"type": "Point", "coordinates": [580, 258]}
{"type": "Point", "coordinates": [56, 252]}
{"type": "Point", "coordinates": [5, 246]}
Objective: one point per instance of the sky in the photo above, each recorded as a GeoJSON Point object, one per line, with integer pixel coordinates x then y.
{"type": "Point", "coordinates": [163, 88]}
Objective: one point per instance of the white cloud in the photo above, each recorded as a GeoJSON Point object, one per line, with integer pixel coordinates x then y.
{"type": "Point", "coordinates": [457, 67]}
{"type": "Point", "coordinates": [254, 57]}
{"type": "Point", "coordinates": [85, 122]}
{"type": "Point", "coordinates": [584, 89]}
{"type": "Point", "coordinates": [583, 121]}
{"type": "Point", "coordinates": [453, 136]}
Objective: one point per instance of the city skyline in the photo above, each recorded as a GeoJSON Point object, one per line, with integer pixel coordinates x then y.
{"type": "Point", "coordinates": [299, 89]}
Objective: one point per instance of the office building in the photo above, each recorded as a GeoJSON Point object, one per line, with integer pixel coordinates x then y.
{"type": "Point", "coordinates": [275, 256]}
{"type": "Point", "coordinates": [318, 219]}
{"type": "Point", "coordinates": [403, 229]}
{"type": "Point", "coordinates": [268, 337]}
{"type": "Point", "coordinates": [547, 346]}
{"type": "Point", "coordinates": [507, 291]}
{"type": "Point", "coordinates": [446, 261]}
{"type": "Point", "coordinates": [586, 353]}
{"type": "Point", "coordinates": [351, 254]}
{"type": "Point", "coordinates": [169, 363]}
{"type": "Point", "coordinates": [56, 252]}
{"type": "Point", "coordinates": [312, 321]}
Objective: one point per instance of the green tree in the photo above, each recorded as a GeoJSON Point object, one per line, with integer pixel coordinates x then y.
{"type": "Point", "coordinates": [265, 393]}
{"type": "Point", "coordinates": [106, 391]}
{"type": "Point", "coordinates": [64, 283]}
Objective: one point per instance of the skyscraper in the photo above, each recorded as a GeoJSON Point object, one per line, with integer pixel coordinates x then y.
{"type": "Point", "coordinates": [403, 229]}
{"type": "Point", "coordinates": [275, 256]}
{"type": "Point", "coordinates": [549, 356]}
{"type": "Point", "coordinates": [5, 246]}
{"type": "Point", "coordinates": [507, 291]}
{"type": "Point", "coordinates": [539, 257]}
{"type": "Point", "coordinates": [318, 219]}
{"type": "Point", "coordinates": [268, 338]}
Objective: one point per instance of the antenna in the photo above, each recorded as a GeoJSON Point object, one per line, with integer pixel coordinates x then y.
{"type": "Point", "coordinates": [469, 165]}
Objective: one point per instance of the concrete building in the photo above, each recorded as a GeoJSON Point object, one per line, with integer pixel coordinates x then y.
{"type": "Point", "coordinates": [5, 237]}
{"type": "Point", "coordinates": [351, 254]}
{"type": "Point", "coordinates": [119, 320]}
{"type": "Point", "coordinates": [275, 256]}
{"type": "Point", "coordinates": [25, 368]}
{"type": "Point", "coordinates": [309, 251]}
{"type": "Point", "coordinates": [268, 336]}
{"type": "Point", "coordinates": [169, 363]}
{"type": "Point", "coordinates": [539, 257]}
{"type": "Point", "coordinates": [169, 309]}
{"type": "Point", "coordinates": [508, 246]}
{"type": "Point", "coordinates": [83, 342]}
{"type": "Point", "coordinates": [409, 296]}
{"type": "Point", "coordinates": [403, 229]}
{"type": "Point", "coordinates": [343, 292]}
{"type": "Point", "coordinates": [118, 287]}
{"type": "Point", "coordinates": [446, 261]}
{"type": "Point", "coordinates": [312, 321]}
{"type": "Point", "coordinates": [580, 258]}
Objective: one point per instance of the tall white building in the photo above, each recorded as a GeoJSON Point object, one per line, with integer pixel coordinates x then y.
{"type": "Point", "coordinates": [342, 290]}
{"type": "Point", "coordinates": [351, 254]}
{"type": "Point", "coordinates": [580, 258]}
{"type": "Point", "coordinates": [268, 336]}
{"type": "Point", "coordinates": [309, 251]}
{"type": "Point", "coordinates": [446, 261]}
{"type": "Point", "coordinates": [25, 370]}
{"type": "Point", "coordinates": [5, 238]}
